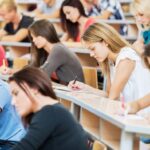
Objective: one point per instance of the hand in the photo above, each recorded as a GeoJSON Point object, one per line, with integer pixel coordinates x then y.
{"type": "Point", "coordinates": [123, 110]}
{"type": "Point", "coordinates": [79, 86]}
{"type": "Point", "coordinates": [5, 70]}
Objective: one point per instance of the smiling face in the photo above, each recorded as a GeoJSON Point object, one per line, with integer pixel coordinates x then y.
{"type": "Point", "coordinates": [20, 100]}
{"type": "Point", "coordinates": [99, 50]}
{"type": "Point", "coordinates": [71, 13]}
{"type": "Point", "coordinates": [7, 15]}
{"type": "Point", "coordinates": [141, 18]}
{"type": "Point", "coordinates": [39, 41]}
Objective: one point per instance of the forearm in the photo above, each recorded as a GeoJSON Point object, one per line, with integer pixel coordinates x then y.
{"type": "Point", "coordinates": [139, 104]}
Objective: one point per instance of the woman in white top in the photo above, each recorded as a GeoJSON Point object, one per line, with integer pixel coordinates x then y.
{"type": "Point", "coordinates": [123, 68]}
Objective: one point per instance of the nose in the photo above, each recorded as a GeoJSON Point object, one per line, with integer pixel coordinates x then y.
{"type": "Point", "coordinates": [34, 39]}
{"type": "Point", "coordinates": [139, 18]}
{"type": "Point", "coordinates": [13, 101]}
{"type": "Point", "coordinates": [67, 16]}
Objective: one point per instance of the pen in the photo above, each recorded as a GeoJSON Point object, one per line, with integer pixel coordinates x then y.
{"type": "Point", "coordinates": [75, 79]}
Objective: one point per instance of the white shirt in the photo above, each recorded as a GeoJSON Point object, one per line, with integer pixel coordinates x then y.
{"type": "Point", "coordinates": [138, 84]}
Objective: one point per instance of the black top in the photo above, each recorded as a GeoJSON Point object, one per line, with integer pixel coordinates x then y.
{"type": "Point", "coordinates": [65, 63]}
{"type": "Point", "coordinates": [25, 22]}
{"type": "Point", "coordinates": [53, 128]}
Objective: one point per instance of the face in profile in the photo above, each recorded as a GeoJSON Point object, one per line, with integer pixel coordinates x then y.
{"type": "Point", "coordinates": [98, 50]}
{"type": "Point", "coordinates": [71, 13]}
{"type": "Point", "coordinates": [20, 100]}
{"type": "Point", "coordinates": [39, 41]}
{"type": "Point", "coordinates": [7, 15]}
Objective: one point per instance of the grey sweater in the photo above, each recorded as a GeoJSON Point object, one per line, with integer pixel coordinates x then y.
{"type": "Point", "coordinates": [65, 63]}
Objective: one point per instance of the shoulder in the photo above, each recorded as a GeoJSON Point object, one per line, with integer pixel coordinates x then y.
{"type": "Point", "coordinates": [53, 112]}
{"type": "Point", "coordinates": [127, 53]}
{"type": "Point", "coordinates": [60, 48]}
{"type": "Point", "coordinates": [26, 20]}
{"type": "Point", "coordinates": [89, 22]}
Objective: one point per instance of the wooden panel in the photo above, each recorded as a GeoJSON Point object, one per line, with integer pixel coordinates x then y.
{"type": "Point", "coordinates": [87, 60]}
{"type": "Point", "coordinates": [90, 122]}
{"type": "Point", "coordinates": [99, 146]}
{"type": "Point", "coordinates": [66, 103]}
{"type": "Point", "coordinates": [19, 63]}
{"type": "Point", "coordinates": [90, 75]}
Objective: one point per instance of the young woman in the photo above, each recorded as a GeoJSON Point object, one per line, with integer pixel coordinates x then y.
{"type": "Point", "coordinates": [15, 29]}
{"type": "Point", "coordinates": [51, 55]}
{"type": "Point", "coordinates": [140, 9]}
{"type": "Point", "coordinates": [50, 125]}
{"type": "Point", "coordinates": [120, 64]}
{"type": "Point", "coordinates": [74, 20]}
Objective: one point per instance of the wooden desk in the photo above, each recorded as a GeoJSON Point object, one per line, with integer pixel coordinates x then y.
{"type": "Point", "coordinates": [97, 115]}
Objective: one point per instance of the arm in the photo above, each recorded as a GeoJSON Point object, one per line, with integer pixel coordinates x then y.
{"type": "Point", "coordinates": [139, 104]}
{"type": "Point", "coordinates": [122, 75]}
{"type": "Point", "coordinates": [53, 63]}
{"type": "Point", "coordinates": [104, 15]}
{"type": "Point", "coordinates": [20, 35]}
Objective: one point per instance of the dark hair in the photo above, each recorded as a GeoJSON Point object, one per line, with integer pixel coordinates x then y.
{"type": "Point", "coordinates": [34, 78]}
{"type": "Point", "coordinates": [146, 54]}
{"type": "Point", "coordinates": [71, 28]}
{"type": "Point", "coordinates": [45, 29]}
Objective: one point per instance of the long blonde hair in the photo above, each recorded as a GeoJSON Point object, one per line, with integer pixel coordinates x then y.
{"type": "Point", "coordinates": [9, 4]}
{"type": "Point", "coordinates": [99, 32]}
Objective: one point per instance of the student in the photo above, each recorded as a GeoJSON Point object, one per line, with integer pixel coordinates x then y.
{"type": "Point", "coordinates": [50, 125]}
{"type": "Point", "coordinates": [51, 55]}
{"type": "Point", "coordinates": [15, 29]}
{"type": "Point", "coordinates": [143, 102]}
{"type": "Point", "coordinates": [48, 9]}
{"type": "Point", "coordinates": [74, 20]}
{"type": "Point", "coordinates": [105, 9]}
{"type": "Point", "coordinates": [140, 9]}
{"type": "Point", "coordinates": [11, 128]}
{"type": "Point", "coordinates": [120, 64]}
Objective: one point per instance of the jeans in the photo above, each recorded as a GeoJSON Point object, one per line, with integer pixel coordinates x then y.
{"type": "Point", "coordinates": [6, 145]}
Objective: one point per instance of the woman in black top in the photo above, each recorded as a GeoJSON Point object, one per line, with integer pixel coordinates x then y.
{"type": "Point", "coordinates": [50, 125]}
{"type": "Point", "coordinates": [51, 55]}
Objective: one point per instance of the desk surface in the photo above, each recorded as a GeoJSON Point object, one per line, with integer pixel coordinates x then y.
{"type": "Point", "coordinates": [105, 108]}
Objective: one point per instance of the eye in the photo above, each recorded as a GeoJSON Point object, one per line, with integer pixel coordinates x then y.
{"type": "Point", "coordinates": [15, 93]}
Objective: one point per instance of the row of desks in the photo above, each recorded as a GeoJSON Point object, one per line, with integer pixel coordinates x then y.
{"type": "Point", "coordinates": [98, 116]}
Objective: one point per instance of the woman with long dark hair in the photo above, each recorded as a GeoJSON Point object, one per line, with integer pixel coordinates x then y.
{"type": "Point", "coordinates": [50, 125]}
{"type": "Point", "coordinates": [74, 20]}
{"type": "Point", "coordinates": [51, 55]}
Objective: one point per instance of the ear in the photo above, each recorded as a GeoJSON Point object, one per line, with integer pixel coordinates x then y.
{"type": "Point", "coordinates": [105, 43]}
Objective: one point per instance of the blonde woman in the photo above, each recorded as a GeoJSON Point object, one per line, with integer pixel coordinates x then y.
{"type": "Point", "coordinates": [141, 11]}
{"type": "Point", "coordinates": [16, 24]}
{"type": "Point", "coordinates": [120, 64]}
